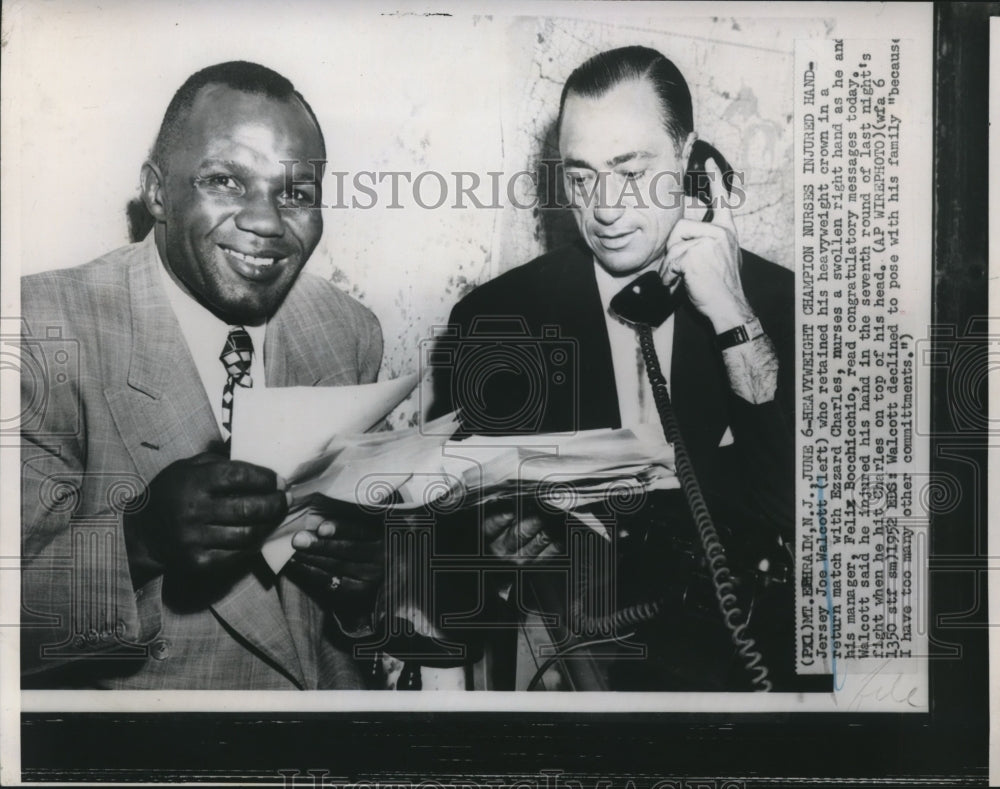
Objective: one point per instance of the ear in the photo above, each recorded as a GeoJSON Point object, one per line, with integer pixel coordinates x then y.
{"type": "Point", "coordinates": [688, 147]}
{"type": "Point", "coordinates": [151, 187]}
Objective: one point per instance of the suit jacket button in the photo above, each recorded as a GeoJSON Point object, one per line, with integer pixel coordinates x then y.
{"type": "Point", "coordinates": [160, 650]}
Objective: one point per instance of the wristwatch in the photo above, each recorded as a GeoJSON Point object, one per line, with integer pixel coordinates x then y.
{"type": "Point", "coordinates": [738, 335]}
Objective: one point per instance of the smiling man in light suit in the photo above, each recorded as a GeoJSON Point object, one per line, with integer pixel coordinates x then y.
{"type": "Point", "coordinates": [141, 537]}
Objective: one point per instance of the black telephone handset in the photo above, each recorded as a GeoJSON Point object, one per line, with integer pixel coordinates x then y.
{"type": "Point", "coordinates": [697, 179]}
{"type": "Point", "coordinates": [646, 300]}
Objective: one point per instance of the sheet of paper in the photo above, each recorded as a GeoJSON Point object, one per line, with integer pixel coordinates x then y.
{"type": "Point", "coordinates": [414, 468]}
{"type": "Point", "coordinates": [354, 481]}
{"type": "Point", "coordinates": [281, 427]}
{"type": "Point", "coordinates": [278, 548]}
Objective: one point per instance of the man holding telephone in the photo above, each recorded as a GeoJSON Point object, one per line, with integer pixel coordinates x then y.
{"type": "Point", "coordinates": [721, 322]}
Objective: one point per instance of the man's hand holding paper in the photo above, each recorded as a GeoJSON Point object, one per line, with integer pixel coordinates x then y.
{"type": "Point", "coordinates": [339, 549]}
{"type": "Point", "coordinates": [284, 429]}
{"type": "Point", "coordinates": [205, 512]}
{"type": "Point", "coordinates": [341, 480]}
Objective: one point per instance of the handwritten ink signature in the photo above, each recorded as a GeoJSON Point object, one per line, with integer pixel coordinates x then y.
{"type": "Point", "coordinates": [898, 691]}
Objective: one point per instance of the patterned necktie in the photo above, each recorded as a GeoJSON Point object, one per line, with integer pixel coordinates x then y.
{"type": "Point", "coordinates": [236, 358]}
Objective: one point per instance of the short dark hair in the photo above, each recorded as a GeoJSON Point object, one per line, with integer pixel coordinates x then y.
{"type": "Point", "coordinates": [236, 74]}
{"type": "Point", "coordinates": [604, 71]}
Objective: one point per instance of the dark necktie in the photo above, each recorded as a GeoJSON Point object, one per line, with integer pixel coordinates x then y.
{"type": "Point", "coordinates": [236, 358]}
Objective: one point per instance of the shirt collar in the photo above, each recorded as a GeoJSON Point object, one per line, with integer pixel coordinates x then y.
{"type": "Point", "coordinates": [198, 324]}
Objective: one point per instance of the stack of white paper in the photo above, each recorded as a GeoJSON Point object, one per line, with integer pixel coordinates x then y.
{"type": "Point", "coordinates": [329, 458]}
{"type": "Point", "coordinates": [414, 469]}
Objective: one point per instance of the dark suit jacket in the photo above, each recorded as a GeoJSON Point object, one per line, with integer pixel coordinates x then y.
{"type": "Point", "coordinates": [110, 396]}
{"type": "Point", "coordinates": [529, 352]}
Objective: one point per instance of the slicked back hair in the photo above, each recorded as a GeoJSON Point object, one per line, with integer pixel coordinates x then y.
{"type": "Point", "coordinates": [236, 74]}
{"type": "Point", "coordinates": [602, 72]}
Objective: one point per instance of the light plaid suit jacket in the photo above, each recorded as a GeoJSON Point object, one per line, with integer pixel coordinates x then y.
{"type": "Point", "coordinates": [110, 396]}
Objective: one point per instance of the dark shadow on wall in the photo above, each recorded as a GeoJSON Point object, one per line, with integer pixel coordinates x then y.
{"type": "Point", "coordinates": [554, 223]}
{"type": "Point", "coordinates": [140, 221]}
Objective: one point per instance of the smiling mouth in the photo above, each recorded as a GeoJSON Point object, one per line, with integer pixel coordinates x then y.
{"type": "Point", "coordinates": [253, 260]}
{"type": "Point", "coordinates": [616, 241]}
{"type": "Point", "coordinates": [256, 268]}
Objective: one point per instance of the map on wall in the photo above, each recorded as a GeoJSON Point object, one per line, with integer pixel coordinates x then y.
{"type": "Point", "coordinates": [742, 95]}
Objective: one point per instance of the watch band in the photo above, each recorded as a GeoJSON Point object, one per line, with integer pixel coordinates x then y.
{"type": "Point", "coordinates": [738, 335]}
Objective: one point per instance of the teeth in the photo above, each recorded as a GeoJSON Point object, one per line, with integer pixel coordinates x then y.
{"type": "Point", "coordinates": [251, 259]}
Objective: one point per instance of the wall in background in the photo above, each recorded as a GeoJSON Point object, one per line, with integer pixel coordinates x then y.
{"type": "Point", "coordinates": [394, 91]}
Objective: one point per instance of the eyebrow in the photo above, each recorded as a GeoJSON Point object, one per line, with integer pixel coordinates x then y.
{"type": "Point", "coordinates": [612, 162]}
{"type": "Point", "coordinates": [243, 171]}
{"type": "Point", "coordinates": [227, 164]}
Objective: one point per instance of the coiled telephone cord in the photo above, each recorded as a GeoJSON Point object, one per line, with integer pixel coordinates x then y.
{"type": "Point", "coordinates": [732, 615]}
{"type": "Point", "coordinates": [734, 618]}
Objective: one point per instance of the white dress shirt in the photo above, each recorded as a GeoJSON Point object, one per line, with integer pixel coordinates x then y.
{"type": "Point", "coordinates": [205, 335]}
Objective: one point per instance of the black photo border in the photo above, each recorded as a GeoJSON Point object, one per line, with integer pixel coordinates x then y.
{"type": "Point", "coordinates": [947, 746]}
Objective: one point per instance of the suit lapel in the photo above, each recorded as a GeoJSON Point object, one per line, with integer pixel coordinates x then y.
{"type": "Point", "coordinates": [253, 608]}
{"type": "Point", "coordinates": [161, 410]}
{"type": "Point", "coordinates": [163, 415]}
{"type": "Point", "coordinates": [280, 367]}
{"type": "Point", "coordinates": [286, 357]}
{"type": "Point", "coordinates": [297, 349]}
{"type": "Point", "coordinates": [574, 305]}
